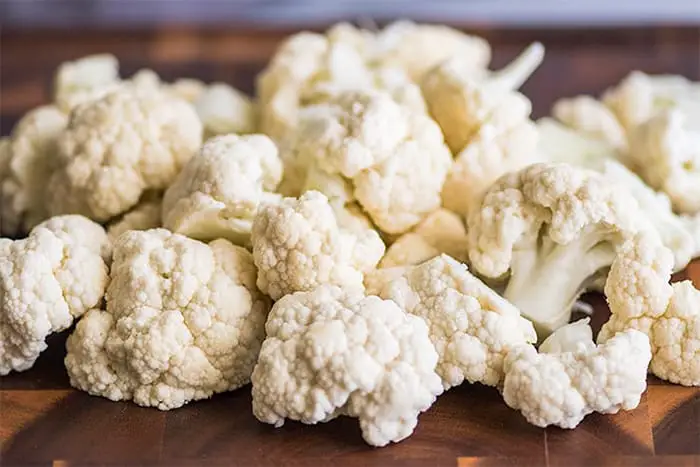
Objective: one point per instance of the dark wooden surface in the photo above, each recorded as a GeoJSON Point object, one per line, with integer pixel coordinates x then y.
{"type": "Point", "coordinates": [44, 422]}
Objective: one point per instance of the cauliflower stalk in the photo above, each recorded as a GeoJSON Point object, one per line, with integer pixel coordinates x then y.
{"type": "Point", "coordinates": [332, 352]}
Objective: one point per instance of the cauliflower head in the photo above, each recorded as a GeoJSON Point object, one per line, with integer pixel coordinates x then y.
{"type": "Point", "coordinates": [561, 387]}
{"type": "Point", "coordinates": [47, 280]}
{"type": "Point", "coordinates": [85, 79]}
{"type": "Point", "coordinates": [28, 155]}
{"type": "Point", "coordinates": [332, 352]}
{"type": "Point", "coordinates": [220, 189]}
{"type": "Point", "coordinates": [119, 146]}
{"type": "Point", "coordinates": [470, 325]}
{"type": "Point", "coordinates": [183, 321]}
{"type": "Point", "coordinates": [298, 244]}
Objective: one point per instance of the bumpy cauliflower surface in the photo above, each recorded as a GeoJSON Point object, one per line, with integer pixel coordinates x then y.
{"type": "Point", "coordinates": [592, 118]}
{"type": "Point", "coordinates": [334, 352]}
{"type": "Point", "coordinates": [183, 321]}
{"type": "Point", "coordinates": [220, 189]}
{"type": "Point", "coordinates": [144, 216]}
{"type": "Point", "coordinates": [562, 387]}
{"type": "Point", "coordinates": [470, 325]}
{"type": "Point", "coordinates": [27, 157]}
{"type": "Point", "coordinates": [85, 79]}
{"type": "Point", "coordinates": [119, 146]}
{"type": "Point", "coordinates": [298, 245]}
{"type": "Point", "coordinates": [47, 280]}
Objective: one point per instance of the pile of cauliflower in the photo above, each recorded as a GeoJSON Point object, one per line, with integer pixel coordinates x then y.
{"type": "Point", "coordinates": [383, 221]}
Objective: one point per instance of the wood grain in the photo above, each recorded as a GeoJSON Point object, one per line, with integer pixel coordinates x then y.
{"type": "Point", "coordinates": [45, 422]}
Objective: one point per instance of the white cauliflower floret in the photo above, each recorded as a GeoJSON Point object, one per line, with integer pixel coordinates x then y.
{"type": "Point", "coordinates": [568, 338]}
{"type": "Point", "coordinates": [298, 245]}
{"type": "Point", "coordinates": [441, 232]}
{"type": "Point", "coordinates": [417, 48]}
{"type": "Point", "coordinates": [665, 151]}
{"type": "Point", "coordinates": [28, 155]}
{"type": "Point", "coordinates": [85, 79]}
{"type": "Point", "coordinates": [562, 387]}
{"type": "Point", "coordinates": [592, 118]}
{"type": "Point", "coordinates": [332, 352]}
{"type": "Point", "coordinates": [220, 189]}
{"type": "Point", "coordinates": [224, 110]}
{"type": "Point", "coordinates": [144, 216]}
{"type": "Point", "coordinates": [183, 321]}
{"type": "Point", "coordinates": [461, 100]}
{"type": "Point", "coordinates": [188, 89]}
{"type": "Point", "coordinates": [553, 228]}
{"type": "Point", "coordinates": [46, 281]}
{"type": "Point", "coordinates": [470, 325]}
{"type": "Point", "coordinates": [119, 146]}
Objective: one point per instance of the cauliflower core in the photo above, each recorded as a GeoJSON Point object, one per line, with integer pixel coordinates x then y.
{"type": "Point", "coordinates": [46, 281]}
{"type": "Point", "coordinates": [470, 325]}
{"type": "Point", "coordinates": [334, 352]}
{"type": "Point", "coordinates": [298, 245]}
{"type": "Point", "coordinates": [219, 191]}
{"type": "Point", "coordinates": [119, 146]}
{"type": "Point", "coordinates": [183, 321]}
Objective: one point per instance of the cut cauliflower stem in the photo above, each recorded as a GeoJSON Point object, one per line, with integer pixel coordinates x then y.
{"type": "Point", "coordinates": [574, 378]}
{"type": "Point", "coordinates": [560, 144]}
{"type": "Point", "coordinates": [84, 80]}
{"type": "Point", "coordinates": [461, 101]}
{"type": "Point", "coordinates": [46, 281]}
{"type": "Point", "coordinates": [25, 168]}
{"type": "Point", "coordinates": [298, 245]}
{"type": "Point", "coordinates": [334, 352]}
{"type": "Point", "coordinates": [553, 227]}
{"type": "Point", "coordinates": [224, 110]}
{"type": "Point", "coordinates": [441, 232]}
{"type": "Point", "coordinates": [219, 191]}
{"type": "Point", "coordinates": [665, 150]}
{"type": "Point", "coordinates": [144, 216]}
{"type": "Point", "coordinates": [183, 321]}
{"type": "Point", "coordinates": [119, 146]}
{"type": "Point", "coordinates": [394, 158]}
{"type": "Point", "coordinates": [470, 325]}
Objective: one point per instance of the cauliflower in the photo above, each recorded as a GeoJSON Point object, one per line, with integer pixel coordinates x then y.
{"type": "Point", "coordinates": [223, 110]}
{"type": "Point", "coordinates": [188, 89]}
{"type": "Point", "coordinates": [592, 118]}
{"type": "Point", "coordinates": [568, 338]}
{"type": "Point", "coordinates": [461, 101]}
{"type": "Point", "coordinates": [219, 191]}
{"type": "Point", "coordinates": [47, 280]}
{"type": "Point", "coordinates": [441, 232]}
{"type": "Point", "coordinates": [119, 146]}
{"type": "Point", "coordinates": [665, 150]}
{"type": "Point", "coordinates": [394, 159]}
{"type": "Point", "coordinates": [299, 245]}
{"type": "Point", "coordinates": [332, 352]}
{"type": "Point", "coordinates": [183, 321]}
{"type": "Point", "coordinates": [553, 228]}
{"type": "Point", "coordinates": [84, 80]}
{"type": "Point", "coordinates": [470, 325]}
{"type": "Point", "coordinates": [144, 216]}
{"type": "Point", "coordinates": [566, 383]}
{"type": "Point", "coordinates": [27, 160]}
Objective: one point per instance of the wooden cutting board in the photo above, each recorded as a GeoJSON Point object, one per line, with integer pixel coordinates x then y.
{"type": "Point", "coordinates": [45, 422]}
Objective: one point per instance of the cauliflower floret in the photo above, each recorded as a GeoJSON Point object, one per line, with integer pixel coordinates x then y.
{"type": "Point", "coordinates": [553, 227]}
{"type": "Point", "coordinates": [441, 232]}
{"type": "Point", "coordinates": [119, 146]}
{"type": "Point", "coordinates": [183, 321]}
{"type": "Point", "coordinates": [417, 48]}
{"type": "Point", "coordinates": [461, 101]}
{"type": "Point", "coordinates": [665, 151]}
{"type": "Point", "coordinates": [84, 80]}
{"type": "Point", "coordinates": [188, 89]}
{"type": "Point", "coordinates": [27, 158]}
{"type": "Point", "coordinates": [144, 216]}
{"type": "Point", "coordinates": [592, 118]}
{"type": "Point", "coordinates": [568, 338]}
{"type": "Point", "coordinates": [46, 281]}
{"type": "Point", "coordinates": [562, 387]}
{"type": "Point", "coordinates": [219, 191]}
{"type": "Point", "coordinates": [470, 325]}
{"type": "Point", "coordinates": [332, 352]}
{"type": "Point", "coordinates": [298, 245]}
{"type": "Point", "coordinates": [224, 110]}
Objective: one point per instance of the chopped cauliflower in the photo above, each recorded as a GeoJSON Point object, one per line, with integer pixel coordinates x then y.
{"type": "Point", "coordinates": [224, 110]}
{"type": "Point", "coordinates": [441, 232]}
{"type": "Point", "coordinates": [220, 189]}
{"type": "Point", "coordinates": [47, 280]}
{"type": "Point", "coordinates": [569, 338]}
{"type": "Point", "coordinates": [188, 89]}
{"type": "Point", "coordinates": [332, 352]}
{"type": "Point", "coordinates": [183, 321]}
{"type": "Point", "coordinates": [143, 216]}
{"type": "Point", "coordinates": [298, 245]}
{"type": "Point", "coordinates": [85, 79]}
{"type": "Point", "coordinates": [564, 385]}
{"type": "Point", "coordinates": [592, 118]}
{"type": "Point", "coordinates": [119, 146]}
{"type": "Point", "coordinates": [28, 155]}
{"type": "Point", "coordinates": [470, 325]}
